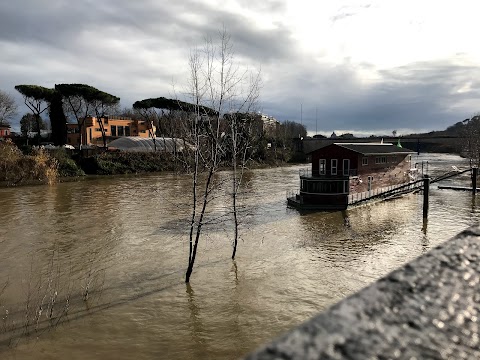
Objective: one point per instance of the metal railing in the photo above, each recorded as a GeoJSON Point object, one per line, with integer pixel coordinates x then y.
{"type": "Point", "coordinates": [449, 175]}
{"type": "Point", "coordinates": [385, 192]}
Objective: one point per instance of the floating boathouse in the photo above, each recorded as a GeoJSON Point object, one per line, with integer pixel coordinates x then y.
{"type": "Point", "coordinates": [342, 170]}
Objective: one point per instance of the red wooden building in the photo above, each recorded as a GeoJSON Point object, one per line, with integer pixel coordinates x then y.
{"type": "Point", "coordinates": [4, 130]}
{"type": "Point", "coordinates": [341, 169]}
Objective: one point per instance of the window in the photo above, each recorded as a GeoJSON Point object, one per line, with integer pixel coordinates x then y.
{"type": "Point", "coordinates": [98, 129]}
{"type": "Point", "coordinates": [334, 165]}
{"type": "Point", "coordinates": [127, 130]}
{"type": "Point", "coordinates": [113, 129]}
{"type": "Point", "coordinates": [323, 167]}
{"type": "Point", "coordinates": [364, 161]}
{"type": "Point", "coordinates": [346, 167]}
{"type": "Point", "coordinates": [90, 131]}
{"type": "Point", "coordinates": [380, 160]}
{"type": "Point", "coordinates": [120, 131]}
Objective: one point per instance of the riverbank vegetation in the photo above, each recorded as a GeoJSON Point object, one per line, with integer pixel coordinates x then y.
{"type": "Point", "coordinates": [17, 168]}
{"type": "Point", "coordinates": [21, 165]}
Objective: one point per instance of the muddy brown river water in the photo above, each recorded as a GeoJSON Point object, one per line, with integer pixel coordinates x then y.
{"type": "Point", "coordinates": [126, 239]}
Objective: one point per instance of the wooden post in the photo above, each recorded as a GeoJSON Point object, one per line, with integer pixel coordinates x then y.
{"type": "Point", "coordinates": [426, 188]}
{"type": "Point", "coordinates": [474, 180]}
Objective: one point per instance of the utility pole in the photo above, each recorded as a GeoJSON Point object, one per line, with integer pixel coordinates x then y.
{"type": "Point", "coordinates": [301, 114]}
{"type": "Point", "coordinates": [426, 188]}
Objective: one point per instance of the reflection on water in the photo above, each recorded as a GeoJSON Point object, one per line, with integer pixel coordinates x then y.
{"type": "Point", "coordinates": [127, 238]}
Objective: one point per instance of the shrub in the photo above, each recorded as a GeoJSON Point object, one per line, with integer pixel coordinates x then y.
{"type": "Point", "coordinates": [67, 167]}
{"type": "Point", "coordinates": [111, 163]}
{"type": "Point", "coordinates": [16, 168]}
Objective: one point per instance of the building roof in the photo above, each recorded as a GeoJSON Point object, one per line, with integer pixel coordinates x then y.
{"type": "Point", "coordinates": [139, 144]}
{"type": "Point", "coordinates": [375, 148]}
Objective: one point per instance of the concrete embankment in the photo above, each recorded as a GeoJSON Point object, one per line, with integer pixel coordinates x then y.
{"type": "Point", "coordinates": [427, 309]}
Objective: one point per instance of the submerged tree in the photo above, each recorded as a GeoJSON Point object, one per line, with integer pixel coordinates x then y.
{"type": "Point", "coordinates": [216, 81]}
{"type": "Point", "coordinates": [37, 99]}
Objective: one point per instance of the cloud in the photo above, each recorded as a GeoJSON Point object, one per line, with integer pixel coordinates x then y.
{"type": "Point", "coordinates": [137, 49]}
{"type": "Point", "coordinates": [349, 11]}
{"type": "Point", "coordinates": [421, 95]}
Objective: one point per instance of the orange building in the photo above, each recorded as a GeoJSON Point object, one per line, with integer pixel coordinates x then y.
{"type": "Point", "coordinates": [4, 131]}
{"type": "Point", "coordinates": [114, 127]}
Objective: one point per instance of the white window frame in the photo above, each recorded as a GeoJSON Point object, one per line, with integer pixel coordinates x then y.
{"type": "Point", "coordinates": [333, 167]}
{"type": "Point", "coordinates": [364, 161]}
{"type": "Point", "coordinates": [322, 170]}
{"type": "Point", "coordinates": [380, 160]}
{"type": "Point", "coordinates": [347, 168]}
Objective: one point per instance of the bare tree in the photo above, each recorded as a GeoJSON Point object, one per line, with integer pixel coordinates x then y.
{"type": "Point", "coordinates": [471, 131]}
{"type": "Point", "coordinates": [37, 99]}
{"type": "Point", "coordinates": [219, 83]}
{"type": "Point", "coordinates": [82, 100]}
{"type": "Point", "coordinates": [8, 108]}
{"type": "Point", "coordinates": [76, 104]}
{"type": "Point", "coordinates": [241, 129]}
{"type": "Point", "coordinates": [103, 104]}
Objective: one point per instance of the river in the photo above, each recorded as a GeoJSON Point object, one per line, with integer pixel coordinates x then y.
{"type": "Point", "coordinates": [126, 238]}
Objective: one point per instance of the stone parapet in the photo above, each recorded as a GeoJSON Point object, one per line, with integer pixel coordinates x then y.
{"type": "Point", "coordinates": [427, 309]}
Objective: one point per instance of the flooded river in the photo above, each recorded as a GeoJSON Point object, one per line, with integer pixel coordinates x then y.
{"type": "Point", "coordinates": [121, 244]}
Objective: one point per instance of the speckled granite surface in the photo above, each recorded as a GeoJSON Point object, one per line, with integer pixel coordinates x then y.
{"type": "Point", "coordinates": [428, 309]}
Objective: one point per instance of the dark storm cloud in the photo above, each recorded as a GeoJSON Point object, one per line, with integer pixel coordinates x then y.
{"type": "Point", "coordinates": [135, 49]}
{"type": "Point", "coordinates": [418, 96]}
{"type": "Point", "coordinates": [120, 46]}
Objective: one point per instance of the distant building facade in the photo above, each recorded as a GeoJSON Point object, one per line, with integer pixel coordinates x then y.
{"type": "Point", "coordinates": [114, 126]}
{"type": "Point", "coordinates": [269, 124]}
{"type": "Point", "coordinates": [4, 131]}
{"type": "Point", "coordinates": [260, 123]}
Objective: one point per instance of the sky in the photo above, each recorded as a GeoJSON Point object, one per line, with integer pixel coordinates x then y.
{"type": "Point", "coordinates": [361, 67]}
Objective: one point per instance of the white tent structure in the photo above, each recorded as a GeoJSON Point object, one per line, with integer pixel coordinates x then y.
{"type": "Point", "coordinates": [139, 144]}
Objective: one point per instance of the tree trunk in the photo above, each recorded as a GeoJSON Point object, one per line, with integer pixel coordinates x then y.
{"type": "Point", "coordinates": [193, 252]}
{"type": "Point", "coordinates": [39, 135]}
{"type": "Point", "coordinates": [235, 219]}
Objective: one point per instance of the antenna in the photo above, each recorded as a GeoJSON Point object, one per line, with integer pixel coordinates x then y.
{"type": "Point", "coordinates": [316, 120]}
